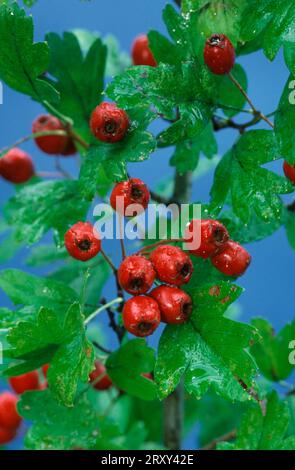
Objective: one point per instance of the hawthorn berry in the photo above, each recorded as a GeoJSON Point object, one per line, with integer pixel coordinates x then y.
{"type": "Point", "coordinates": [16, 166]}
{"type": "Point", "coordinates": [175, 304]}
{"type": "Point", "coordinates": [104, 382]}
{"type": "Point", "coordinates": [9, 417]}
{"type": "Point", "coordinates": [141, 315]}
{"type": "Point", "coordinates": [289, 171]}
{"type": "Point", "coordinates": [109, 123]}
{"type": "Point", "coordinates": [233, 260]}
{"type": "Point", "coordinates": [132, 191]}
{"type": "Point", "coordinates": [219, 54]}
{"type": "Point", "coordinates": [82, 241]}
{"type": "Point", "coordinates": [25, 382]}
{"type": "Point", "coordinates": [213, 236]}
{"type": "Point", "coordinates": [136, 275]}
{"type": "Point", "coordinates": [6, 435]}
{"type": "Point", "coordinates": [141, 53]}
{"type": "Point", "coordinates": [172, 265]}
{"type": "Point", "coordinates": [45, 369]}
{"type": "Point", "coordinates": [53, 144]}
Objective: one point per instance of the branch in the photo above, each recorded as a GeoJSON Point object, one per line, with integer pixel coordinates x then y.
{"type": "Point", "coordinates": [291, 207]}
{"type": "Point", "coordinates": [102, 348]}
{"type": "Point", "coordinates": [220, 124]}
{"type": "Point", "coordinates": [226, 437]}
{"type": "Point", "coordinates": [119, 330]}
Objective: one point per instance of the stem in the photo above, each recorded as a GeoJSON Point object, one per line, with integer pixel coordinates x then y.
{"type": "Point", "coordinates": [49, 174]}
{"type": "Point", "coordinates": [78, 138]}
{"type": "Point", "coordinates": [109, 261]}
{"type": "Point", "coordinates": [61, 170]}
{"type": "Point", "coordinates": [220, 123]}
{"type": "Point", "coordinates": [161, 242]}
{"type": "Point", "coordinates": [118, 300]}
{"type": "Point", "coordinates": [120, 331]}
{"type": "Point", "coordinates": [30, 137]}
{"type": "Point", "coordinates": [255, 111]}
{"type": "Point", "coordinates": [226, 437]}
{"type": "Point", "coordinates": [101, 348]}
{"type": "Point", "coordinates": [174, 403]}
{"type": "Point", "coordinates": [122, 236]}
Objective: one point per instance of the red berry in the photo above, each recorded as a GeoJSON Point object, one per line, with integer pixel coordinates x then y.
{"type": "Point", "coordinates": [16, 166]}
{"type": "Point", "coordinates": [210, 234]}
{"type": "Point", "coordinates": [109, 123]}
{"type": "Point", "coordinates": [141, 53]}
{"type": "Point", "coordinates": [104, 383]}
{"type": "Point", "coordinates": [219, 54]}
{"type": "Point", "coordinates": [149, 376]}
{"type": "Point", "coordinates": [141, 315]}
{"type": "Point", "coordinates": [9, 417]}
{"type": "Point", "coordinates": [172, 265]}
{"type": "Point", "coordinates": [133, 191]}
{"type": "Point", "coordinates": [175, 304]}
{"type": "Point", "coordinates": [289, 171]}
{"type": "Point", "coordinates": [45, 369]}
{"type": "Point", "coordinates": [233, 260]}
{"type": "Point", "coordinates": [136, 275]}
{"type": "Point", "coordinates": [6, 435]}
{"type": "Point", "coordinates": [82, 241]}
{"type": "Point", "coordinates": [23, 383]}
{"type": "Point", "coordinates": [53, 144]}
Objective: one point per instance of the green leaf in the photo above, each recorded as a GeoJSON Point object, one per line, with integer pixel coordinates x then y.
{"type": "Point", "coordinates": [137, 146]}
{"type": "Point", "coordinates": [284, 119]}
{"type": "Point", "coordinates": [22, 62]}
{"type": "Point", "coordinates": [78, 77]}
{"type": "Point", "coordinates": [187, 153]}
{"type": "Point", "coordinates": [117, 60]}
{"type": "Point", "coordinates": [258, 432]}
{"type": "Point", "coordinates": [36, 209]}
{"type": "Point", "coordinates": [230, 96]}
{"type": "Point", "coordinates": [210, 350]}
{"type": "Point", "coordinates": [251, 187]}
{"type": "Point", "coordinates": [130, 379]}
{"type": "Point", "coordinates": [57, 427]}
{"type": "Point", "coordinates": [289, 54]}
{"type": "Point", "coordinates": [272, 351]}
{"type": "Point", "coordinates": [274, 21]}
{"type": "Point", "coordinates": [26, 289]}
{"type": "Point", "coordinates": [43, 255]}
{"type": "Point", "coordinates": [290, 229]}
{"type": "Point", "coordinates": [73, 356]}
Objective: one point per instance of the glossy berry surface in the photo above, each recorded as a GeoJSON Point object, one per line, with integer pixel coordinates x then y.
{"type": "Point", "coordinates": [233, 260]}
{"type": "Point", "coordinates": [104, 383]}
{"type": "Point", "coordinates": [289, 171]}
{"type": "Point", "coordinates": [9, 417]}
{"type": "Point", "coordinates": [136, 275]}
{"type": "Point", "coordinates": [172, 265]}
{"type": "Point", "coordinates": [219, 54]}
{"type": "Point", "coordinates": [52, 144]}
{"type": "Point", "coordinates": [211, 235]}
{"type": "Point", "coordinates": [109, 123]}
{"type": "Point", "coordinates": [16, 166]}
{"type": "Point", "coordinates": [175, 304]}
{"type": "Point", "coordinates": [25, 382]}
{"type": "Point", "coordinates": [82, 241]}
{"type": "Point", "coordinates": [141, 315]}
{"type": "Point", "coordinates": [141, 53]}
{"type": "Point", "coordinates": [6, 435]}
{"type": "Point", "coordinates": [133, 191]}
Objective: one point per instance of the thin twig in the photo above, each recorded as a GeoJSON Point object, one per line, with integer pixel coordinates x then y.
{"type": "Point", "coordinates": [229, 436]}
{"type": "Point", "coordinates": [160, 199]}
{"type": "Point", "coordinates": [109, 261]}
{"type": "Point", "coordinates": [121, 229]}
{"type": "Point", "coordinates": [161, 242]}
{"type": "Point", "coordinates": [255, 111]}
{"type": "Point", "coordinates": [61, 170]}
{"type": "Point", "coordinates": [34, 135]}
{"type": "Point", "coordinates": [101, 348]}
{"type": "Point", "coordinates": [120, 331]}
{"type": "Point", "coordinates": [49, 174]}
{"type": "Point", "coordinates": [103, 307]}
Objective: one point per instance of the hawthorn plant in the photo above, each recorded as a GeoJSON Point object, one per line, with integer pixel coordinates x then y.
{"type": "Point", "coordinates": [62, 376]}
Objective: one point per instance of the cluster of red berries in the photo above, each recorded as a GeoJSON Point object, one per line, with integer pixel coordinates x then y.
{"type": "Point", "coordinates": [227, 256]}
{"type": "Point", "coordinates": [10, 420]}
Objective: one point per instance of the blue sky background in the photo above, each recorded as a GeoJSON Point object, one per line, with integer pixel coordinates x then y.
{"type": "Point", "coordinates": [268, 283]}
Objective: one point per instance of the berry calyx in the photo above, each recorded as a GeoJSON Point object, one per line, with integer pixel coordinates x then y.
{"type": "Point", "coordinates": [82, 241]}
{"type": "Point", "coordinates": [289, 171]}
{"type": "Point", "coordinates": [99, 377]}
{"type": "Point", "coordinates": [219, 54]}
{"type": "Point", "coordinates": [136, 275]}
{"type": "Point", "coordinates": [53, 144]}
{"type": "Point", "coordinates": [25, 382]}
{"type": "Point", "coordinates": [133, 191]}
{"type": "Point", "coordinates": [109, 123]}
{"type": "Point", "coordinates": [9, 417]}
{"type": "Point", "coordinates": [141, 315]}
{"type": "Point", "coordinates": [175, 305]}
{"type": "Point", "coordinates": [141, 53]}
{"type": "Point", "coordinates": [6, 435]}
{"type": "Point", "coordinates": [211, 235]}
{"type": "Point", "coordinates": [233, 260]}
{"type": "Point", "coordinates": [16, 166]}
{"type": "Point", "coordinates": [172, 265]}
